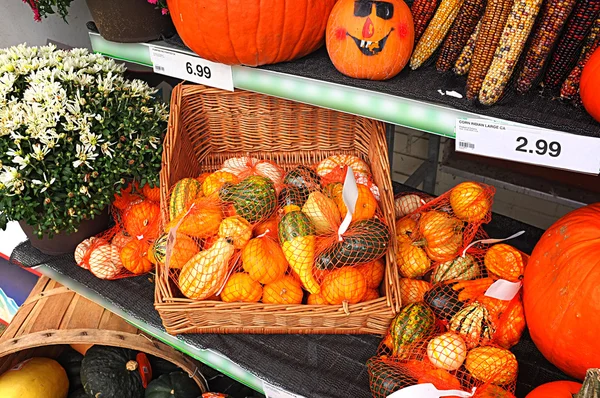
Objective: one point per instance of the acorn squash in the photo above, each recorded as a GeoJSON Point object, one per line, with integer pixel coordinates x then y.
{"type": "Point", "coordinates": [304, 178]}
{"type": "Point", "coordinates": [253, 199]}
{"type": "Point", "coordinates": [111, 372]}
{"type": "Point", "coordinates": [70, 360]}
{"type": "Point", "coordinates": [384, 379]}
{"type": "Point", "coordinates": [443, 301]}
{"type": "Point", "coordinates": [173, 385]}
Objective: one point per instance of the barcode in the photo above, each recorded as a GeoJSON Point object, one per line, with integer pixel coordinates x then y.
{"type": "Point", "coordinates": [159, 68]}
{"type": "Point", "coordinates": [463, 144]}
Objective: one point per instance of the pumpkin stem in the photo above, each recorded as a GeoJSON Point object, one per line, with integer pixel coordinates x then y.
{"type": "Point", "coordinates": [420, 243]}
{"type": "Point", "coordinates": [591, 385]}
{"type": "Point", "coordinates": [131, 366]}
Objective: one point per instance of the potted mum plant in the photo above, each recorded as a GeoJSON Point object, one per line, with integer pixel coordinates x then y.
{"type": "Point", "coordinates": [73, 132]}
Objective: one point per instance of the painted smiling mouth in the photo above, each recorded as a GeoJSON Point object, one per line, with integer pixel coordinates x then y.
{"type": "Point", "coordinates": [370, 47]}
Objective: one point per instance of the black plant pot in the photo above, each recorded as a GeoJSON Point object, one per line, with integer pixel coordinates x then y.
{"type": "Point", "coordinates": [63, 243]}
{"type": "Point", "coordinates": [130, 21]}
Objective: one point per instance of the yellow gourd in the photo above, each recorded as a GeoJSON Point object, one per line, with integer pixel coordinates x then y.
{"type": "Point", "coordinates": [205, 273]}
{"type": "Point", "coordinates": [237, 229]}
{"type": "Point", "coordinates": [35, 378]}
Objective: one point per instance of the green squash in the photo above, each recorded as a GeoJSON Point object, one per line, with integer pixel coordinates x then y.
{"type": "Point", "coordinates": [413, 323]}
{"type": "Point", "coordinates": [474, 324]}
{"type": "Point", "coordinates": [111, 372]}
{"type": "Point", "coordinates": [293, 225]}
{"type": "Point", "coordinates": [363, 242]}
{"type": "Point", "coordinates": [253, 199]}
{"type": "Point", "coordinates": [70, 360]}
{"type": "Point", "coordinates": [461, 268]}
{"type": "Point", "coordinates": [384, 379]}
{"type": "Point", "coordinates": [80, 393]}
{"type": "Point", "coordinates": [173, 385]}
{"type": "Point", "coordinates": [182, 195]}
{"type": "Point", "coordinates": [443, 300]}
{"type": "Point", "coordinates": [303, 178]}
{"type": "Point", "coordinates": [292, 199]}
{"type": "Point", "coordinates": [161, 366]}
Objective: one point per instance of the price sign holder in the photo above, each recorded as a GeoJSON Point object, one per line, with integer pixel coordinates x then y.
{"type": "Point", "coordinates": [275, 392]}
{"type": "Point", "coordinates": [528, 145]}
{"type": "Point", "coordinates": [187, 67]}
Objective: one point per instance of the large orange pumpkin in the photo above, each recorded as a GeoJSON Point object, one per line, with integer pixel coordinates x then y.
{"type": "Point", "coordinates": [370, 39]}
{"type": "Point", "coordinates": [556, 389]}
{"type": "Point", "coordinates": [253, 32]}
{"type": "Point", "coordinates": [561, 294]}
{"type": "Point", "coordinates": [588, 86]}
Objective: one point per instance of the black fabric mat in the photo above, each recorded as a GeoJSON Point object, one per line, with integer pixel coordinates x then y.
{"type": "Point", "coordinates": [315, 366]}
{"type": "Point", "coordinates": [534, 108]}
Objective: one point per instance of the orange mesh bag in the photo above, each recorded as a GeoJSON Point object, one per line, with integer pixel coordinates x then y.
{"type": "Point", "coordinates": [245, 166]}
{"type": "Point", "coordinates": [406, 203]}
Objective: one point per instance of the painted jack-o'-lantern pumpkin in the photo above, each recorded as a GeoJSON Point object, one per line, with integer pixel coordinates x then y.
{"type": "Point", "coordinates": [369, 39]}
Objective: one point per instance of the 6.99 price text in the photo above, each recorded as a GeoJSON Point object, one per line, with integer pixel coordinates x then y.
{"type": "Point", "coordinates": [199, 70]}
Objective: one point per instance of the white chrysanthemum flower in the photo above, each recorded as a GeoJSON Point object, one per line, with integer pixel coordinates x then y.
{"type": "Point", "coordinates": [84, 155]}
{"type": "Point", "coordinates": [10, 178]}
{"type": "Point", "coordinates": [154, 142]}
{"type": "Point", "coordinates": [46, 184]}
{"type": "Point", "coordinates": [39, 153]}
{"type": "Point", "coordinates": [84, 190]}
{"type": "Point", "coordinates": [22, 161]}
{"type": "Point", "coordinates": [107, 150]}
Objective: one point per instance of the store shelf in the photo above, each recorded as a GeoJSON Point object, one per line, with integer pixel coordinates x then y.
{"type": "Point", "coordinates": [411, 99]}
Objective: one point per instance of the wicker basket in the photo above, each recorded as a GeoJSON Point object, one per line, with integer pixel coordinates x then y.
{"type": "Point", "coordinates": [208, 126]}
{"type": "Point", "coordinates": [54, 316]}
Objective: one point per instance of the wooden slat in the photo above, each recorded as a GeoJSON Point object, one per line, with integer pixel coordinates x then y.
{"type": "Point", "coordinates": [82, 313]}
{"type": "Point", "coordinates": [111, 321]}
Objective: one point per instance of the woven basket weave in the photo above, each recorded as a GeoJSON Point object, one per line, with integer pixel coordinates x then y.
{"type": "Point", "coordinates": [208, 126]}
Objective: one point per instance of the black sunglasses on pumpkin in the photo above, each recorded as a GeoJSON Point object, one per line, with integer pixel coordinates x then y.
{"type": "Point", "coordinates": [383, 9]}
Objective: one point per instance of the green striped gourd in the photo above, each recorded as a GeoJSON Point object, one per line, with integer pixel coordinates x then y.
{"type": "Point", "coordinates": [461, 268]}
{"type": "Point", "coordinates": [474, 323]}
{"type": "Point", "coordinates": [414, 323]}
{"type": "Point", "coordinates": [182, 196]}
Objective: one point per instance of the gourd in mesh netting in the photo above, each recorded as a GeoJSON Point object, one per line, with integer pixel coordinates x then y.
{"type": "Point", "coordinates": [251, 232]}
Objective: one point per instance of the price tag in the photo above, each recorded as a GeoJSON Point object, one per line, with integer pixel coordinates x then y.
{"type": "Point", "coordinates": [528, 145]}
{"type": "Point", "coordinates": [195, 69]}
{"type": "Point", "coordinates": [276, 392]}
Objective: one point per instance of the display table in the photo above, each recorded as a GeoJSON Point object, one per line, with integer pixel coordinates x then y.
{"type": "Point", "coordinates": [310, 365]}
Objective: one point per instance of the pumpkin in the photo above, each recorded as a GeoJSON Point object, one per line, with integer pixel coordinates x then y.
{"type": "Point", "coordinates": [134, 257]}
{"type": "Point", "coordinates": [373, 273]}
{"type": "Point", "coordinates": [443, 301]}
{"type": "Point", "coordinates": [413, 290]}
{"type": "Point", "coordinates": [505, 262]}
{"type": "Point", "coordinates": [412, 260]}
{"type": "Point", "coordinates": [236, 229]}
{"type": "Point", "coordinates": [470, 202]}
{"type": "Point", "coordinates": [442, 234]}
{"type": "Point", "coordinates": [104, 261]}
{"type": "Point", "coordinates": [460, 268]}
{"type": "Point", "coordinates": [339, 162]}
{"type": "Point", "coordinates": [151, 193]}
{"type": "Point", "coordinates": [267, 228]}
{"type": "Point", "coordinates": [407, 204]}
{"type": "Point", "coordinates": [322, 212]}
{"type": "Point", "coordinates": [511, 325]}
{"type": "Point", "coordinates": [205, 273]}
{"type": "Point", "coordinates": [287, 290]}
{"type": "Point", "coordinates": [366, 203]}
{"type": "Point", "coordinates": [405, 228]}
{"type": "Point", "coordinates": [370, 40]}
{"type": "Point", "coordinates": [244, 166]}
{"type": "Point", "coordinates": [35, 378]}
{"type": "Point", "coordinates": [492, 365]}
{"type": "Point", "coordinates": [316, 299]}
{"type": "Point", "coordinates": [119, 375]}
{"type": "Point", "coordinates": [447, 351]}
{"type": "Point", "coordinates": [344, 285]}
{"type": "Point", "coordinates": [256, 34]}
{"type": "Point", "coordinates": [183, 194]}
{"type": "Point", "coordinates": [570, 389]}
{"type": "Point", "coordinates": [142, 220]}
{"type": "Point", "coordinates": [213, 182]}
{"type": "Point", "coordinates": [371, 294]}
{"type": "Point", "coordinates": [254, 198]}
{"type": "Point", "coordinates": [263, 260]}
{"type": "Point", "coordinates": [183, 250]}
{"type": "Point", "coordinates": [441, 379]}
{"type": "Point", "coordinates": [559, 292]}
{"type": "Point", "coordinates": [121, 239]}
{"type": "Point", "coordinates": [173, 385]}
{"type": "Point", "coordinates": [201, 221]}
{"type": "Point", "coordinates": [588, 86]}
{"type": "Point", "coordinates": [412, 324]}
{"type": "Point", "coordinates": [474, 324]}
{"type": "Point", "coordinates": [240, 287]}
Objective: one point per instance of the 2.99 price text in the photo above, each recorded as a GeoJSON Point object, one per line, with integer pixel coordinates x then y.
{"type": "Point", "coordinates": [542, 147]}
{"type": "Point", "coordinates": [200, 71]}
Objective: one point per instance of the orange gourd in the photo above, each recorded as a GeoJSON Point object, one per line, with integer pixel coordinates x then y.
{"type": "Point", "coordinates": [151, 193]}
{"type": "Point", "coordinates": [287, 290]}
{"type": "Point", "coordinates": [346, 284]}
{"type": "Point", "coordinates": [510, 324]}
{"type": "Point", "coordinates": [405, 229]}
{"type": "Point", "coordinates": [373, 273]}
{"type": "Point", "coordinates": [141, 220]}
{"type": "Point", "coordinates": [134, 257]}
{"type": "Point", "coordinates": [316, 299]}
{"type": "Point", "coordinates": [470, 202]}
{"type": "Point", "coordinates": [253, 33]}
{"type": "Point", "coordinates": [588, 85]}
{"type": "Point", "coordinates": [441, 379]}
{"type": "Point", "coordinates": [121, 239]}
{"type": "Point", "coordinates": [263, 260]}
{"type": "Point", "coordinates": [370, 40]}
{"type": "Point", "coordinates": [492, 365]}
{"type": "Point", "coordinates": [125, 197]}
{"type": "Point", "coordinates": [560, 292]}
{"type": "Point", "coordinates": [213, 182]}
{"type": "Point", "coordinates": [183, 250]}
{"type": "Point", "coordinates": [413, 290]}
{"type": "Point", "coordinates": [241, 288]}
{"type": "Point", "coordinates": [237, 229]}
{"type": "Point", "coordinates": [442, 234]}
{"type": "Point", "coordinates": [267, 228]}
{"type": "Point", "coordinates": [202, 220]}
{"type": "Point", "coordinates": [412, 260]}
{"type": "Point", "coordinates": [505, 262]}
{"type": "Point", "coordinates": [366, 204]}
{"type": "Point", "coordinates": [371, 294]}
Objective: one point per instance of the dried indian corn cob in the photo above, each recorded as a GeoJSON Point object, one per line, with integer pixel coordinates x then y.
{"type": "Point", "coordinates": [422, 11]}
{"type": "Point", "coordinates": [492, 26]}
{"type": "Point", "coordinates": [570, 88]}
{"type": "Point", "coordinates": [470, 13]}
{"type": "Point", "coordinates": [435, 32]}
{"type": "Point", "coordinates": [463, 63]}
{"type": "Point", "coordinates": [513, 39]}
{"type": "Point", "coordinates": [581, 20]}
{"type": "Point", "coordinates": [554, 16]}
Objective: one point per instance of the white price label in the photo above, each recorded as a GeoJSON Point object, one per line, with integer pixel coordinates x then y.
{"type": "Point", "coordinates": [195, 69]}
{"type": "Point", "coordinates": [528, 145]}
{"type": "Point", "coordinates": [276, 392]}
